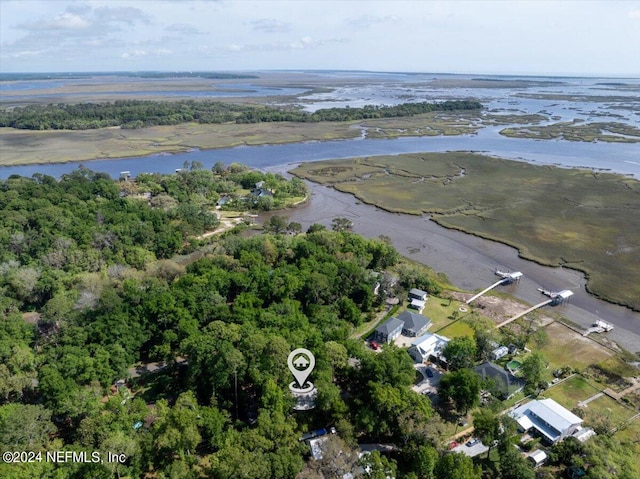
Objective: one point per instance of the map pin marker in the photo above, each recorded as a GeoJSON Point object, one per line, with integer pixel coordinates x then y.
{"type": "Point", "coordinates": [301, 362]}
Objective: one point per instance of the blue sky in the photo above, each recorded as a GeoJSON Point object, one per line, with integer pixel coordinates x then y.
{"type": "Point", "coordinates": [510, 37]}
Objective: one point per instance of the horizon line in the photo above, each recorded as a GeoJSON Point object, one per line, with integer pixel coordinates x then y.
{"type": "Point", "coordinates": [337, 70]}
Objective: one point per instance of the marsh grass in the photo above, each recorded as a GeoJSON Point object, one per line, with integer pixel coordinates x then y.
{"type": "Point", "coordinates": [612, 132]}
{"type": "Point", "coordinates": [581, 219]}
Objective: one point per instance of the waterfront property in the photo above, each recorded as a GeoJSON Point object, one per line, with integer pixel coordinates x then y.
{"type": "Point", "coordinates": [414, 324]}
{"type": "Point", "coordinates": [428, 346]}
{"type": "Point", "coordinates": [548, 418]}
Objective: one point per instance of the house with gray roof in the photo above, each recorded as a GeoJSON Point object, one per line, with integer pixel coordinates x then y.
{"type": "Point", "coordinates": [418, 294]}
{"type": "Point", "coordinates": [414, 324]}
{"type": "Point", "coordinates": [388, 331]}
{"type": "Point", "coordinates": [504, 384]}
{"type": "Point", "coordinates": [548, 418]}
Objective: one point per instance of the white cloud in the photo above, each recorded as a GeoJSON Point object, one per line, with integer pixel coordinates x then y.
{"type": "Point", "coordinates": [305, 42]}
{"type": "Point", "coordinates": [144, 53]}
{"type": "Point", "coordinates": [134, 54]}
{"type": "Point", "coordinates": [183, 28]}
{"type": "Point", "coordinates": [270, 25]}
{"type": "Point", "coordinates": [635, 14]}
{"type": "Point", "coordinates": [366, 21]}
{"type": "Point", "coordinates": [62, 21]}
{"type": "Point", "coordinates": [27, 53]}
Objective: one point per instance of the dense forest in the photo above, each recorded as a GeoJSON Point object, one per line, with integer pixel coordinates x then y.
{"type": "Point", "coordinates": [139, 113]}
{"type": "Point", "coordinates": [92, 294]}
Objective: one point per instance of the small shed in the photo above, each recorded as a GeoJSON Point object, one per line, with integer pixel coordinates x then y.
{"type": "Point", "coordinates": [417, 294]}
{"type": "Point", "coordinates": [538, 457]}
{"type": "Point", "coordinates": [417, 304]}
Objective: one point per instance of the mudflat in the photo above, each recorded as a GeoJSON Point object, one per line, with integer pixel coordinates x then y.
{"type": "Point", "coordinates": [574, 218]}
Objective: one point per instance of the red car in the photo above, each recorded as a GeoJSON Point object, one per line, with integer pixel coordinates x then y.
{"type": "Point", "coordinates": [375, 346]}
{"type": "Point", "coordinates": [453, 445]}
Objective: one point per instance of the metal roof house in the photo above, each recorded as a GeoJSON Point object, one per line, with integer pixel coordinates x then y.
{"type": "Point", "coordinates": [426, 346]}
{"type": "Point", "coordinates": [388, 331]}
{"type": "Point", "coordinates": [414, 324]}
{"type": "Point", "coordinates": [505, 383]}
{"type": "Point", "coordinates": [417, 294]}
{"type": "Point", "coordinates": [548, 418]}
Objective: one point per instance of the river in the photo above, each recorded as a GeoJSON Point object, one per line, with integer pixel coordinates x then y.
{"type": "Point", "coordinates": [467, 260]}
{"type": "Point", "coordinates": [621, 158]}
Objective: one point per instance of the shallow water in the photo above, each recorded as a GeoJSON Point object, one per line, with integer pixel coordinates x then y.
{"type": "Point", "coordinates": [620, 158]}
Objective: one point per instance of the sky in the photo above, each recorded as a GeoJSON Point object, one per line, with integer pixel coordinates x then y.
{"type": "Point", "coordinates": [556, 37]}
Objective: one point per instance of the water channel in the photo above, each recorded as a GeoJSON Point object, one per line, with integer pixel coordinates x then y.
{"type": "Point", "coordinates": [468, 261]}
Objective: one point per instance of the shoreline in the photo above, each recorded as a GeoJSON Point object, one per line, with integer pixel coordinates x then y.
{"type": "Point", "coordinates": [520, 249]}
{"type": "Point", "coordinates": [468, 260]}
{"type": "Point", "coordinates": [578, 242]}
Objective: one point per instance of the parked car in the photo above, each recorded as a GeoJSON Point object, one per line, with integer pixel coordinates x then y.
{"type": "Point", "coordinates": [453, 445]}
{"type": "Point", "coordinates": [429, 372]}
{"type": "Point", "coordinates": [375, 346]}
{"type": "Point", "coordinates": [473, 442]}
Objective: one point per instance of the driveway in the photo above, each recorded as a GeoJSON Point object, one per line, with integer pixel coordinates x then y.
{"type": "Point", "coordinates": [427, 383]}
{"type": "Point", "coordinates": [471, 451]}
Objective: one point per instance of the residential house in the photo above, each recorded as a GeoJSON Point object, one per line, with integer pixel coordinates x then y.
{"type": "Point", "coordinates": [414, 324]}
{"type": "Point", "coordinates": [548, 418]}
{"type": "Point", "coordinates": [428, 346]}
{"type": "Point", "coordinates": [388, 331]}
{"type": "Point", "coordinates": [504, 384]}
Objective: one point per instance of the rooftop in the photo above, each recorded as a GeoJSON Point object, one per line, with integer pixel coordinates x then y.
{"type": "Point", "coordinates": [413, 321]}
{"type": "Point", "coordinates": [547, 416]}
{"type": "Point", "coordinates": [389, 326]}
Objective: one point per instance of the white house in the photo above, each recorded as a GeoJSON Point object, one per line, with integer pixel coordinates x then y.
{"type": "Point", "coordinates": [426, 346]}
{"type": "Point", "coordinates": [548, 418]}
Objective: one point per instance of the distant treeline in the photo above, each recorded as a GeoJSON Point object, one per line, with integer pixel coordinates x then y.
{"type": "Point", "coordinates": [209, 75]}
{"type": "Point", "coordinates": [140, 114]}
{"type": "Point", "coordinates": [75, 76]}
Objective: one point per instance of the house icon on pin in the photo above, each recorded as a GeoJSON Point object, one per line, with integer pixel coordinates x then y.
{"type": "Point", "coordinates": [301, 362]}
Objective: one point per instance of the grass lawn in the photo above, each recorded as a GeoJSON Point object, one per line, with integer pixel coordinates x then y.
{"type": "Point", "coordinates": [439, 310]}
{"type": "Point", "coordinates": [457, 328]}
{"type": "Point", "coordinates": [567, 348]}
{"type": "Point", "coordinates": [615, 412]}
{"type": "Point", "coordinates": [570, 392]}
{"type": "Point", "coordinates": [631, 434]}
